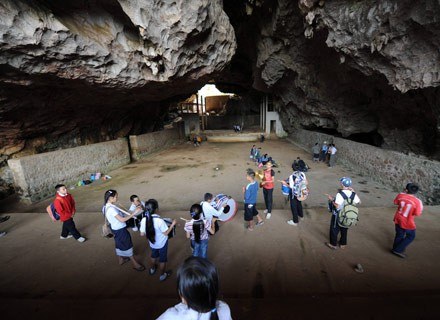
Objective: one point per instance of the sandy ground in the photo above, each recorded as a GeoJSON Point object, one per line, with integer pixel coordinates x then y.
{"type": "Point", "coordinates": [276, 272]}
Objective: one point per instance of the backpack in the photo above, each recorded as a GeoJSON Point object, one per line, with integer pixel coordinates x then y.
{"type": "Point", "coordinates": [348, 216]}
{"type": "Point", "coordinates": [52, 212]}
{"type": "Point", "coordinates": [300, 186]}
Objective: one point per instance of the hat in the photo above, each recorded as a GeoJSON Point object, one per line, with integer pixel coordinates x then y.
{"type": "Point", "coordinates": [345, 181]}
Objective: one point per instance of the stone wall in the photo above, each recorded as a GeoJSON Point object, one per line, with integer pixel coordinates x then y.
{"type": "Point", "coordinates": [148, 143]}
{"type": "Point", "coordinates": [389, 167]}
{"type": "Point", "coordinates": [227, 122]}
{"type": "Point", "coordinates": [35, 176]}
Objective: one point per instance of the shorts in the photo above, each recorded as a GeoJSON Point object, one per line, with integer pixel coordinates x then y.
{"type": "Point", "coordinates": [160, 253]}
{"type": "Point", "coordinates": [249, 213]}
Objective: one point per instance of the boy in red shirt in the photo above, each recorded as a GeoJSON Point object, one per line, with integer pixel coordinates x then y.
{"type": "Point", "coordinates": [65, 206]}
{"type": "Point", "coordinates": [409, 206]}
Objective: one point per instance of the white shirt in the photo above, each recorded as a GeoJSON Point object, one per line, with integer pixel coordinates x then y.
{"type": "Point", "coordinates": [182, 312]}
{"type": "Point", "coordinates": [339, 200]}
{"type": "Point", "coordinates": [209, 211]}
{"type": "Point", "coordinates": [160, 227]}
{"type": "Point", "coordinates": [133, 206]}
{"type": "Point", "coordinates": [333, 150]}
{"type": "Point", "coordinates": [110, 213]}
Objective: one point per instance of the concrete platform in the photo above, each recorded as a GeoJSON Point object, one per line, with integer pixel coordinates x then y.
{"type": "Point", "coordinates": [275, 272]}
{"type": "Point", "coordinates": [231, 136]}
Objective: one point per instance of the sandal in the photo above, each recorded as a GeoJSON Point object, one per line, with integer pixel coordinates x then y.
{"type": "Point", "coordinates": [140, 268]}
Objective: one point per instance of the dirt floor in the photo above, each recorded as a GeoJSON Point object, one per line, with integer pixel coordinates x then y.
{"type": "Point", "coordinates": [277, 271]}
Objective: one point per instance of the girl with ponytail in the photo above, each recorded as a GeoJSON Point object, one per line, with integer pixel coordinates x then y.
{"type": "Point", "coordinates": [198, 288]}
{"type": "Point", "coordinates": [197, 230]}
{"type": "Point", "coordinates": [156, 230]}
{"type": "Point", "coordinates": [117, 218]}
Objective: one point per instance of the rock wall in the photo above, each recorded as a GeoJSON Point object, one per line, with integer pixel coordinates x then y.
{"type": "Point", "coordinates": [365, 70]}
{"type": "Point", "coordinates": [145, 144]}
{"type": "Point", "coordinates": [35, 176]}
{"type": "Point", "coordinates": [79, 72]}
{"type": "Point", "coordinates": [391, 168]}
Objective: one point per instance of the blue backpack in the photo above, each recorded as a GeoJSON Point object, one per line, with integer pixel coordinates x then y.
{"type": "Point", "coordinates": [53, 214]}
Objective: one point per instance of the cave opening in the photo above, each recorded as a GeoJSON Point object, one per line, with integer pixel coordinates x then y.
{"type": "Point", "coordinates": [218, 110]}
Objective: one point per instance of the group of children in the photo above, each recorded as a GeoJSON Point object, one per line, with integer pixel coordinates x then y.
{"type": "Point", "coordinates": [259, 158]}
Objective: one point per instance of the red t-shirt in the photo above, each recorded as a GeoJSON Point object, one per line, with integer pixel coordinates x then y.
{"type": "Point", "coordinates": [268, 175]}
{"type": "Point", "coordinates": [65, 206]}
{"type": "Point", "coordinates": [408, 207]}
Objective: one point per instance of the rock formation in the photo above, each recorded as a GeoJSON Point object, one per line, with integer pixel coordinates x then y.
{"type": "Point", "coordinates": [78, 72]}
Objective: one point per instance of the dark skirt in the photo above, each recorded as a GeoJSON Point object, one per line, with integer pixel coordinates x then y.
{"type": "Point", "coordinates": [123, 244]}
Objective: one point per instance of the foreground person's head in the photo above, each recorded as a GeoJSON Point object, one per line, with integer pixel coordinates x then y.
{"type": "Point", "coordinates": [197, 284]}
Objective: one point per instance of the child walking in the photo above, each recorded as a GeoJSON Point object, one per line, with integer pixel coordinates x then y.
{"type": "Point", "coordinates": [250, 201]}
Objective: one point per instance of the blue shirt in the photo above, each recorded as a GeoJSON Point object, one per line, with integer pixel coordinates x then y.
{"type": "Point", "coordinates": [250, 195]}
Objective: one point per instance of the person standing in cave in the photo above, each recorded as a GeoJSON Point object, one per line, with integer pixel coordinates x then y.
{"type": "Point", "coordinates": [297, 182]}
{"type": "Point", "coordinates": [268, 185]}
{"type": "Point", "coordinates": [332, 153]}
{"type": "Point", "coordinates": [409, 207]}
{"type": "Point", "coordinates": [315, 151]}
{"type": "Point", "coordinates": [250, 201]}
{"type": "Point", "coordinates": [324, 149]}
{"type": "Point", "coordinates": [337, 204]}
{"type": "Point", "coordinates": [65, 207]}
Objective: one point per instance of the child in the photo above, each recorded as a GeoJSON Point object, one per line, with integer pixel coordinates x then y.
{"type": "Point", "coordinates": [409, 207]}
{"type": "Point", "coordinates": [197, 230]}
{"type": "Point", "coordinates": [337, 203]}
{"type": "Point", "coordinates": [250, 200]}
{"type": "Point", "coordinates": [198, 288]}
{"type": "Point", "coordinates": [253, 150]}
{"type": "Point", "coordinates": [117, 219]}
{"type": "Point", "coordinates": [157, 232]}
{"type": "Point", "coordinates": [135, 203]}
{"type": "Point", "coordinates": [65, 206]}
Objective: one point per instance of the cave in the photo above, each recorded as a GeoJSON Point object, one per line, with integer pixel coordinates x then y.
{"type": "Point", "coordinates": [83, 73]}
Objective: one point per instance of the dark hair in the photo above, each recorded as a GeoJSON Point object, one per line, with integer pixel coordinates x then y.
{"type": "Point", "coordinates": [108, 194]}
{"type": "Point", "coordinates": [154, 203]}
{"type": "Point", "coordinates": [132, 197]}
{"type": "Point", "coordinates": [198, 225]}
{"type": "Point", "coordinates": [208, 196]}
{"type": "Point", "coordinates": [58, 186]}
{"type": "Point", "coordinates": [150, 209]}
{"type": "Point", "coordinates": [250, 173]}
{"type": "Point", "coordinates": [197, 283]}
{"type": "Point", "coordinates": [412, 188]}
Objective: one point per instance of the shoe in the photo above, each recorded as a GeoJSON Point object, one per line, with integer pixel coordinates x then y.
{"type": "Point", "coordinates": [265, 211]}
{"type": "Point", "coordinates": [135, 229]}
{"type": "Point", "coordinates": [328, 244]}
{"type": "Point", "coordinates": [152, 271]}
{"type": "Point", "coordinates": [268, 216]}
{"type": "Point", "coordinates": [64, 238]}
{"type": "Point", "coordinates": [342, 246]}
{"type": "Point", "coordinates": [5, 218]}
{"type": "Point", "coordinates": [250, 229]}
{"type": "Point", "coordinates": [140, 268]}
{"type": "Point", "coordinates": [399, 254]}
{"type": "Point", "coordinates": [2, 234]}
{"type": "Point", "coordinates": [259, 223]}
{"type": "Point", "coordinates": [292, 223]}
{"type": "Point", "coordinates": [164, 276]}
{"type": "Point", "coordinates": [81, 239]}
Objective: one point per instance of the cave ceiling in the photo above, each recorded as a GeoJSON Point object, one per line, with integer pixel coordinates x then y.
{"type": "Point", "coordinates": [77, 72]}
